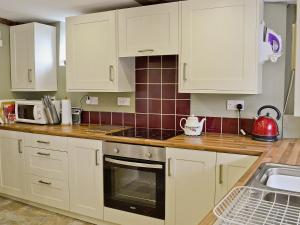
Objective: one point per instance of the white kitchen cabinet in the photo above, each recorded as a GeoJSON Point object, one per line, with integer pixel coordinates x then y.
{"type": "Point", "coordinates": [190, 186]}
{"type": "Point", "coordinates": [220, 47]}
{"type": "Point", "coordinates": [92, 61]}
{"type": "Point", "coordinates": [149, 30]}
{"type": "Point", "coordinates": [12, 164]}
{"type": "Point", "coordinates": [229, 169]}
{"type": "Point", "coordinates": [86, 177]}
{"type": "Point", "coordinates": [33, 57]}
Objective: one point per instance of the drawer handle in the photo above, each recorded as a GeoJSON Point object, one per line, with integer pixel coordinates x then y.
{"type": "Point", "coordinates": [146, 50]}
{"type": "Point", "coordinates": [169, 167]}
{"type": "Point", "coordinates": [43, 142]}
{"type": "Point", "coordinates": [43, 154]}
{"type": "Point", "coordinates": [97, 157]}
{"type": "Point", "coordinates": [20, 147]}
{"type": "Point", "coordinates": [221, 169]}
{"type": "Point", "coordinates": [44, 182]}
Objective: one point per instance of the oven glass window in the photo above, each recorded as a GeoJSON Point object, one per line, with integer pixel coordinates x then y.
{"type": "Point", "coordinates": [137, 187]}
{"type": "Point", "coordinates": [26, 112]}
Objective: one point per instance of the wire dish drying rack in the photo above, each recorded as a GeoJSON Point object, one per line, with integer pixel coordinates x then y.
{"type": "Point", "coordinates": [253, 206]}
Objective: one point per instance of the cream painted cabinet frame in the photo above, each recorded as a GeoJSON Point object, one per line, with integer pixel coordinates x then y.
{"type": "Point", "coordinates": [92, 55]}
{"type": "Point", "coordinates": [149, 30]}
{"type": "Point", "coordinates": [220, 46]}
{"type": "Point", "coordinates": [33, 57]}
{"type": "Point", "coordinates": [86, 177]}
{"type": "Point", "coordinates": [297, 76]}
{"type": "Point", "coordinates": [190, 186]}
{"type": "Point", "coordinates": [12, 164]}
{"type": "Point", "coordinates": [229, 169]}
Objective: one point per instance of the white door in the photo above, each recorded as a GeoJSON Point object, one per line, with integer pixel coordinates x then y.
{"type": "Point", "coordinates": [91, 52]}
{"type": "Point", "coordinates": [190, 188]}
{"type": "Point", "coordinates": [219, 52]}
{"type": "Point", "coordinates": [149, 30]}
{"type": "Point", "coordinates": [86, 177]}
{"type": "Point", "coordinates": [229, 169]}
{"type": "Point", "coordinates": [22, 56]}
{"type": "Point", "coordinates": [12, 164]}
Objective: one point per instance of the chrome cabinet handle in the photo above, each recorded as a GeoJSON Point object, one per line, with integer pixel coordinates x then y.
{"type": "Point", "coordinates": [221, 170]}
{"type": "Point", "coordinates": [169, 167]}
{"type": "Point", "coordinates": [43, 154]}
{"type": "Point", "coordinates": [111, 73]}
{"type": "Point", "coordinates": [97, 157]}
{"type": "Point", "coordinates": [29, 75]}
{"type": "Point", "coordinates": [43, 142]}
{"type": "Point", "coordinates": [20, 147]}
{"type": "Point", "coordinates": [184, 71]}
{"type": "Point", "coordinates": [145, 50]}
{"type": "Point", "coordinates": [44, 182]}
{"type": "Point", "coordinates": [134, 164]}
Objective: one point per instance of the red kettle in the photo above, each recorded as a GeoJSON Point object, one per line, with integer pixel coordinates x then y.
{"type": "Point", "coordinates": [265, 128]}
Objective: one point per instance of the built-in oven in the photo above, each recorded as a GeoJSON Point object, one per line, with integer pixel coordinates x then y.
{"type": "Point", "coordinates": [134, 179]}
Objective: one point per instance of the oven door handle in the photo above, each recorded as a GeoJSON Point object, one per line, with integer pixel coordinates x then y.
{"type": "Point", "coordinates": [134, 164]}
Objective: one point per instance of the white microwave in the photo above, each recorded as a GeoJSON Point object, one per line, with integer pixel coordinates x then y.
{"type": "Point", "coordinates": [28, 111]}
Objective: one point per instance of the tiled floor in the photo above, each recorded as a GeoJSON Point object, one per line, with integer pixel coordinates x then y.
{"type": "Point", "coordinates": [15, 213]}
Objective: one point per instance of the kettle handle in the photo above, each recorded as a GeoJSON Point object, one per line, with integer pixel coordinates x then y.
{"type": "Point", "coordinates": [180, 123]}
{"type": "Point", "coordinates": [270, 107]}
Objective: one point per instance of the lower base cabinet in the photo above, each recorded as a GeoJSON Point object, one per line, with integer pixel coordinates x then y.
{"type": "Point", "coordinates": [86, 177]}
{"type": "Point", "coordinates": [190, 186]}
{"type": "Point", "coordinates": [12, 164]}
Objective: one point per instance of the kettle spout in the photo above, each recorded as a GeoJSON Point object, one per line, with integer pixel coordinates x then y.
{"type": "Point", "coordinates": [202, 122]}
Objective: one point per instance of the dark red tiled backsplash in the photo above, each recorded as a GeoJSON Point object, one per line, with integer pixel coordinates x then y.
{"type": "Point", "coordinates": [158, 103]}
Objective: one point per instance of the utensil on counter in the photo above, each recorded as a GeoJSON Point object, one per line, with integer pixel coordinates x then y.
{"type": "Point", "coordinates": [192, 126]}
{"type": "Point", "coordinates": [50, 110]}
{"type": "Point", "coordinates": [265, 128]}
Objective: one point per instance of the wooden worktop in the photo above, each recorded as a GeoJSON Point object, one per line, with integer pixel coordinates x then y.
{"type": "Point", "coordinates": [286, 151]}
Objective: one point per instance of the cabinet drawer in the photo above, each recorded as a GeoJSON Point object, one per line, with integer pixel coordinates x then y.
{"type": "Point", "coordinates": [48, 191]}
{"type": "Point", "coordinates": [47, 163]}
{"type": "Point", "coordinates": [45, 141]}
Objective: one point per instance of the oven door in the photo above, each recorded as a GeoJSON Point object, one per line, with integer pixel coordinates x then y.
{"type": "Point", "coordinates": [136, 186]}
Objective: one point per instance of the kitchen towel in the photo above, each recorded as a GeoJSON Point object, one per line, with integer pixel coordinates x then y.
{"type": "Point", "coordinates": [66, 112]}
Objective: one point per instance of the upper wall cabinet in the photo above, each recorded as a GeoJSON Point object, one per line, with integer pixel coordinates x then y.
{"type": "Point", "coordinates": [220, 46]}
{"type": "Point", "coordinates": [92, 61]}
{"type": "Point", "coordinates": [33, 57]}
{"type": "Point", "coordinates": [149, 30]}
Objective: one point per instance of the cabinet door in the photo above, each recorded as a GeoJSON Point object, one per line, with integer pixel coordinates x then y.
{"type": "Point", "coordinates": [220, 46]}
{"type": "Point", "coordinates": [12, 164]}
{"type": "Point", "coordinates": [190, 186]}
{"type": "Point", "coordinates": [86, 180]}
{"type": "Point", "coordinates": [91, 52]}
{"type": "Point", "coordinates": [230, 168]}
{"type": "Point", "coordinates": [149, 30]}
{"type": "Point", "coordinates": [22, 56]}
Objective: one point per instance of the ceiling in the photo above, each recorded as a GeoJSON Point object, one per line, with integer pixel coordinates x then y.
{"type": "Point", "coordinates": [55, 10]}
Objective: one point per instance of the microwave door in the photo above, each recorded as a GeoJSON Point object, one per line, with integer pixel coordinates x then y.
{"type": "Point", "coordinates": [25, 112]}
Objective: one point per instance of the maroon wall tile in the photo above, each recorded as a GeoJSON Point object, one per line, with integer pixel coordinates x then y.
{"type": "Point", "coordinates": [183, 107]}
{"type": "Point", "coordinates": [85, 117]}
{"type": "Point", "coordinates": [246, 125]}
{"type": "Point", "coordinates": [155, 76]}
{"type": "Point", "coordinates": [141, 76]}
{"type": "Point", "coordinates": [154, 61]}
{"type": "Point", "coordinates": [141, 62]}
{"type": "Point", "coordinates": [117, 119]}
{"type": "Point", "coordinates": [154, 121]}
{"type": "Point", "coordinates": [213, 124]}
{"type": "Point", "coordinates": [169, 76]}
{"type": "Point", "coordinates": [168, 107]}
{"type": "Point", "coordinates": [141, 106]}
{"type": "Point", "coordinates": [154, 106]}
{"type": "Point", "coordinates": [94, 118]}
{"type": "Point", "coordinates": [168, 91]}
{"type": "Point", "coordinates": [154, 91]}
{"type": "Point", "coordinates": [129, 119]}
{"type": "Point", "coordinates": [141, 120]}
{"type": "Point", "coordinates": [105, 118]}
{"type": "Point", "coordinates": [141, 90]}
{"type": "Point", "coordinates": [168, 122]}
{"type": "Point", "coordinates": [230, 126]}
{"type": "Point", "coordinates": [169, 61]}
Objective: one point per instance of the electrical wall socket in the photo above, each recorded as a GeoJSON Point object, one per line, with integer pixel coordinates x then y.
{"type": "Point", "coordinates": [231, 104]}
{"type": "Point", "coordinates": [92, 100]}
{"type": "Point", "coordinates": [122, 101]}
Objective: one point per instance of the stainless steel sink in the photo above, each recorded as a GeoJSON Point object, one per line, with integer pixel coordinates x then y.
{"type": "Point", "coordinates": [277, 177]}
